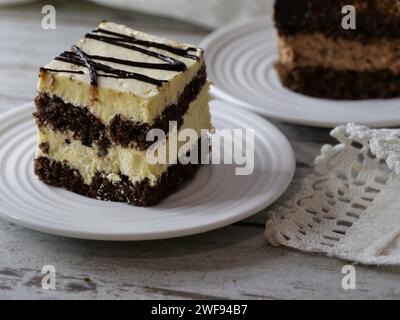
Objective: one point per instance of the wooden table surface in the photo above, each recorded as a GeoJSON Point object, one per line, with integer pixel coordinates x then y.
{"type": "Point", "coordinates": [233, 263]}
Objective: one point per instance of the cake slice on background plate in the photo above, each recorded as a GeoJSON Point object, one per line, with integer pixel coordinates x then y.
{"type": "Point", "coordinates": [320, 58]}
{"type": "Point", "coordinates": [98, 101]}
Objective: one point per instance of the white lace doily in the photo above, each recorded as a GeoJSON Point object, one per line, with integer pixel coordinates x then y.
{"type": "Point", "coordinates": [350, 206]}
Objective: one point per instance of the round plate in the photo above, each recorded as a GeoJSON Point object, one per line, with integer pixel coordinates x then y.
{"type": "Point", "coordinates": [215, 198]}
{"type": "Point", "coordinates": [240, 62]}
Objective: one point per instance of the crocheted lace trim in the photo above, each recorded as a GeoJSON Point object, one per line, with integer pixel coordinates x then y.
{"type": "Point", "coordinates": [350, 206]}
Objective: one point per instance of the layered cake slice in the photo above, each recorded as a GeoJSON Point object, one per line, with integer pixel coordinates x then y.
{"type": "Point", "coordinates": [97, 104]}
{"type": "Point", "coordinates": [321, 57]}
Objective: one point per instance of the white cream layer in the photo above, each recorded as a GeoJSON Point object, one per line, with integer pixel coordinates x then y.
{"type": "Point", "coordinates": [133, 99]}
{"type": "Point", "coordinates": [127, 161]}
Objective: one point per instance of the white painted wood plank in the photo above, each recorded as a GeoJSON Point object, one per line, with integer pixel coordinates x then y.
{"type": "Point", "coordinates": [233, 262]}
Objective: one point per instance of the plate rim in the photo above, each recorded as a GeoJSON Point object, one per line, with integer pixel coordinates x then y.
{"type": "Point", "coordinates": [219, 93]}
{"type": "Point", "coordinates": [135, 236]}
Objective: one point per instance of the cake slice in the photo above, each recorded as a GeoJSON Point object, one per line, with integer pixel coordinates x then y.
{"type": "Point", "coordinates": [318, 57]}
{"type": "Point", "coordinates": [98, 101]}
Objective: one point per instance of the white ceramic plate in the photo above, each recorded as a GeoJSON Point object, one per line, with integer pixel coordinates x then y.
{"type": "Point", "coordinates": [215, 198]}
{"type": "Point", "coordinates": [240, 61]}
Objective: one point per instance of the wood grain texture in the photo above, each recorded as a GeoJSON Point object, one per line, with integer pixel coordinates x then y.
{"type": "Point", "coordinates": [233, 263]}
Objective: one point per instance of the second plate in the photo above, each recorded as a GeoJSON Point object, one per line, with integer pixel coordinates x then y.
{"type": "Point", "coordinates": [240, 60]}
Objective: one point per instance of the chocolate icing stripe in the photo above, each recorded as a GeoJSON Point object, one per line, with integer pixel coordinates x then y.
{"type": "Point", "coordinates": [109, 72]}
{"type": "Point", "coordinates": [140, 194]}
{"type": "Point", "coordinates": [60, 116]}
{"type": "Point", "coordinates": [131, 39]}
{"type": "Point", "coordinates": [316, 16]}
{"type": "Point", "coordinates": [159, 66]}
{"type": "Point", "coordinates": [145, 65]}
{"type": "Point", "coordinates": [119, 43]}
{"type": "Point", "coordinates": [80, 58]}
{"type": "Point", "coordinates": [60, 70]}
{"type": "Point", "coordinates": [90, 65]}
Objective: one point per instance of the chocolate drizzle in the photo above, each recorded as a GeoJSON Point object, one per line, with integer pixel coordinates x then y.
{"type": "Point", "coordinates": [78, 57]}
{"type": "Point", "coordinates": [146, 65]}
{"type": "Point", "coordinates": [131, 39]}
{"type": "Point", "coordinates": [58, 70]}
{"type": "Point", "coordinates": [109, 72]}
{"type": "Point", "coordinates": [88, 63]}
{"type": "Point", "coordinates": [123, 43]}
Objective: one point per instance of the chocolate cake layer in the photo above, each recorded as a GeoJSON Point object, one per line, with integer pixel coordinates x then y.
{"type": "Point", "coordinates": [53, 112]}
{"type": "Point", "coordinates": [373, 20]}
{"type": "Point", "coordinates": [340, 84]}
{"type": "Point", "coordinates": [141, 194]}
{"type": "Point", "coordinates": [60, 116]}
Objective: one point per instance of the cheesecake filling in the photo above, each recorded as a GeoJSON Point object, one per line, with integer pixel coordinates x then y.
{"type": "Point", "coordinates": [130, 162]}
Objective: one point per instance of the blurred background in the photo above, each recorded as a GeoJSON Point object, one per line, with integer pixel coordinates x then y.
{"type": "Point", "coordinates": [26, 45]}
{"type": "Point", "coordinates": [210, 13]}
